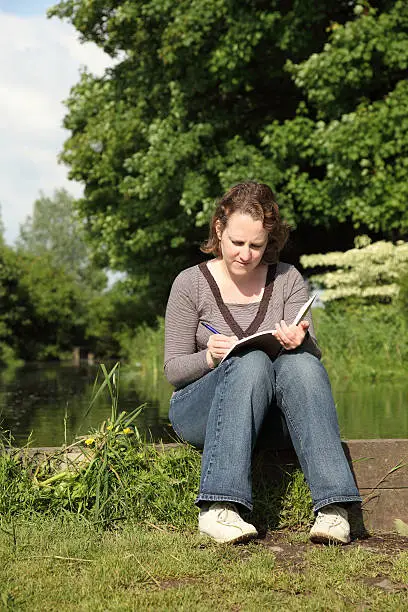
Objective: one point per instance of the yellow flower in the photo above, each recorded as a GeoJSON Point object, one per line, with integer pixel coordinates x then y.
{"type": "Point", "coordinates": [109, 427]}
{"type": "Point", "coordinates": [127, 430]}
{"type": "Point", "coordinates": [89, 441]}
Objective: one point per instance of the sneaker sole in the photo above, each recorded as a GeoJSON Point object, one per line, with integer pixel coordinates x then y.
{"type": "Point", "coordinates": [322, 538]}
{"type": "Point", "coordinates": [241, 539]}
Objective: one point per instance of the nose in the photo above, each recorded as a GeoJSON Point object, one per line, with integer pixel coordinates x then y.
{"type": "Point", "coordinates": [245, 253]}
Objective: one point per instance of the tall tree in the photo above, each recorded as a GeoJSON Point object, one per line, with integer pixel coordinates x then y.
{"type": "Point", "coordinates": [204, 93]}
{"type": "Point", "coordinates": [15, 307]}
{"type": "Point", "coordinates": [55, 229]}
{"type": "Point", "coordinates": [345, 154]}
{"type": "Point", "coordinates": [1, 229]}
{"type": "Point", "coordinates": [66, 289]}
{"type": "Point", "coordinates": [41, 306]}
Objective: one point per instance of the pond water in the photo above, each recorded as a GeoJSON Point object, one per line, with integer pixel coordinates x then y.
{"type": "Point", "coordinates": [49, 402]}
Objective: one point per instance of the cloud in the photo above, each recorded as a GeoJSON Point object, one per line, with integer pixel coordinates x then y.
{"type": "Point", "coordinates": [41, 59]}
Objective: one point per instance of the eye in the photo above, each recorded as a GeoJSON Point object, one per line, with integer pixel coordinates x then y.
{"type": "Point", "coordinates": [237, 242]}
{"type": "Point", "coordinates": [256, 246]}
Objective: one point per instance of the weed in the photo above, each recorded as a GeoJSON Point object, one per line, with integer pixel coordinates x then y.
{"type": "Point", "coordinates": [352, 351]}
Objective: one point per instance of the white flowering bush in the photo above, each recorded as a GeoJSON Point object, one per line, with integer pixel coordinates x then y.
{"type": "Point", "coordinates": [371, 272]}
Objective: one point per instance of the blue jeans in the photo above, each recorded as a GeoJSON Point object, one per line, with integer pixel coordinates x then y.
{"type": "Point", "coordinates": [223, 412]}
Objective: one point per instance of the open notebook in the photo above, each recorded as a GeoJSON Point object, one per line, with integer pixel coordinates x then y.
{"type": "Point", "coordinates": [265, 340]}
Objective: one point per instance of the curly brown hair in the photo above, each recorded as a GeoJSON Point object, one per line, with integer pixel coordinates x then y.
{"type": "Point", "coordinates": [258, 201]}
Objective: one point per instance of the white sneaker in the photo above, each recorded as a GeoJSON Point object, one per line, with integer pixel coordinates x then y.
{"type": "Point", "coordinates": [222, 522]}
{"type": "Point", "coordinates": [331, 526]}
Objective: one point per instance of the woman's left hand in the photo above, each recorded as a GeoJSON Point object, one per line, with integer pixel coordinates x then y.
{"type": "Point", "coordinates": [291, 336]}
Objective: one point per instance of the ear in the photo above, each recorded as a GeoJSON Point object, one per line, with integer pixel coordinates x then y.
{"type": "Point", "coordinates": [218, 229]}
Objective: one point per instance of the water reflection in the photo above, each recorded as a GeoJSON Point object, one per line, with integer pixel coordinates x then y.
{"type": "Point", "coordinates": [49, 402]}
{"type": "Point", "coordinates": [38, 397]}
{"type": "Point", "coordinates": [372, 411]}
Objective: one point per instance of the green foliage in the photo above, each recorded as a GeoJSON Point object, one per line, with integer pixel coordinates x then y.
{"type": "Point", "coordinates": [117, 477]}
{"type": "Point", "coordinates": [1, 230]}
{"type": "Point", "coordinates": [143, 351]}
{"type": "Point", "coordinates": [287, 504]}
{"type": "Point", "coordinates": [363, 342]}
{"type": "Point", "coordinates": [17, 493]}
{"type": "Point", "coordinates": [363, 327]}
{"type": "Point", "coordinates": [201, 95]}
{"type": "Point", "coordinates": [145, 347]}
{"type": "Point", "coordinates": [120, 479]}
{"type": "Point", "coordinates": [58, 308]}
{"type": "Point", "coordinates": [55, 230]}
{"type": "Point", "coordinates": [14, 304]}
{"type": "Point", "coordinates": [55, 233]}
{"type": "Point", "coordinates": [40, 308]}
{"type": "Point", "coordinates": [369, 272]}
{"type": "Point", "coordinates": [8, 357]}
{"type": "Point", "coordinates": [115, 314]}
{"type": "Point", "coordinates": [53, 296]}
{"type": "Point", "coordinates": [344, 155]}
{"type": "Point", "coordinates": [403, 293]}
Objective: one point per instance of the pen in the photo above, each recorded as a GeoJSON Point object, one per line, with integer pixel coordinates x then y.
{"type": "Point", "coordinates": [211, 329]}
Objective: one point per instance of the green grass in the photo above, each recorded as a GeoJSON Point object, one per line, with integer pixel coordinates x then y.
{"type": "Point", "coordinates": [56, 563]}
{"type": "Point", "coordinates": [140, 550]}
{"type": "Point", "coordinates": [138, 482]}
{"type": "Point", "coordinates": [143, 354]}
{"type": "Point", "coordinates": [365, 343]}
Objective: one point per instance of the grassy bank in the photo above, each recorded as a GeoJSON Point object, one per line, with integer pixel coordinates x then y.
{"type": "Point", "coordinates": [143, 354]}
{"type": "Point", "coordinates": [116, 484]}
{"type": "Point", "coordinates": [118, 531]}
{"type": "Point", "coordinates": [365, 344]}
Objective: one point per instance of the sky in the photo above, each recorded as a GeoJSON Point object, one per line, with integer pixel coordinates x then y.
{"type": "Point", "coordinates": [40, 62]}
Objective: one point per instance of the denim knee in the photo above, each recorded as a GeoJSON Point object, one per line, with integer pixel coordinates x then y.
{"type": "Point", "coordinates": [253, 366]}
{"type": "Point", "coordinates": [301, 366]}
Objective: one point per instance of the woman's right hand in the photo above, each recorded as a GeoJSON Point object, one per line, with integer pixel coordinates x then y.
{"type": "Point", "coordinates": [218, 346]}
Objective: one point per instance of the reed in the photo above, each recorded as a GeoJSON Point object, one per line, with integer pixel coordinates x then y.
{"type": "Point", "coordinates": [143, 355]}
{"type": "Point", "coordinates": [364, 343]}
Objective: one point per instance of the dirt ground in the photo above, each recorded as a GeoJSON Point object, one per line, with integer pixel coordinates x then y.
{"type": "Point", "coordinates": [291, 553]}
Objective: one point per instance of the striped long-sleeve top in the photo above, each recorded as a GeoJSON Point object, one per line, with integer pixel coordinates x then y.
{"type": "Point", "coordinates": [192, 300]}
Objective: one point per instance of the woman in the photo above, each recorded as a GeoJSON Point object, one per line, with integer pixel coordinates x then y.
{"type": "Point", "coordinates": [220, 407]}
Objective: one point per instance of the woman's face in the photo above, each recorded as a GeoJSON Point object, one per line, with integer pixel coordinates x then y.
{"type": "Point", "coordinates": [243, 243]}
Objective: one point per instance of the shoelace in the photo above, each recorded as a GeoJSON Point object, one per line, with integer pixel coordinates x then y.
{"type": "Point", "coordinates": [334, 517]}
{"type": "Point", "coordinates": [229, 514]}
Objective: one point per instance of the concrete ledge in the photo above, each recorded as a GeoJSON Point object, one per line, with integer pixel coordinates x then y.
{"type": "Point", "coordinates": [380, 468]}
